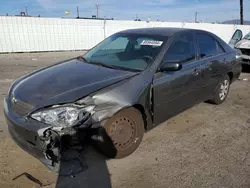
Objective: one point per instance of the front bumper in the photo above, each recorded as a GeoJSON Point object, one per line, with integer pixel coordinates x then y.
{"type": "Point", "coordinates": [246, 61]}
{"type": "Point", "coordinates": [50, 145]}
{"type": "Point", "coordinates": [245, 56]}
{"type": "Point", "coordinates": [24, 131]}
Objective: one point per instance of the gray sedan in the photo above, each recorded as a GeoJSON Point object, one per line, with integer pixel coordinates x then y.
{"type": "Point", "coordinates": [124, 86]}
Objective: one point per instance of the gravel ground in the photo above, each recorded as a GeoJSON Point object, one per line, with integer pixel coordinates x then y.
{"type": "Point", "coordinates": [206, 146]}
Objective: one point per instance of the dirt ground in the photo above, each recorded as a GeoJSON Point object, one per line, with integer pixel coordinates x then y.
{"type": "Point", "coordinates": [206, 146]}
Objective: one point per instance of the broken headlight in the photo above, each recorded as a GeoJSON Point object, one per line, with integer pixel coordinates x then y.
{"type": "Point", "coordinates": [63, 116]}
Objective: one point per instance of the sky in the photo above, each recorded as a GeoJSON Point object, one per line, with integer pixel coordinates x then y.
{"type": "Point", "coordinates": [163, 10]}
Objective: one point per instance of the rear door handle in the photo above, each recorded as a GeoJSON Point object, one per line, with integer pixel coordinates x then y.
{"type": "Point", "coordinates": [209, 64]}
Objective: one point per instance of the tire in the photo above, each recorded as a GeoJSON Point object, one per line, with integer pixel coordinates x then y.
{"type": "Point", "coordinates": [222, 91]}
{"type": "Point", "coordinates": [125, 129]}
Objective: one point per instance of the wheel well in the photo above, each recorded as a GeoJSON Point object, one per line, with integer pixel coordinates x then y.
{"type": "Point", "coordinates": [144, 116]}
{"type": "Point", "coordinates": [230, 74]}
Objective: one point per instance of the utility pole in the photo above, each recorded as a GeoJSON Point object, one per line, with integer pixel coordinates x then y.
{"type": "Point", "coordinates": [196, 14]}
{"type": "Point", "coordinates": [77, 10]}
{"type": "Point", "coordinates": [97, 10]}
{"type": "Point", "coordinates": [241, 12]}
{"type": "Point", "coordinates": [26, 11]}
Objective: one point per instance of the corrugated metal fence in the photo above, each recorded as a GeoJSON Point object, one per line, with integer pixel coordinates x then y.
{"type": "Point", "coordinates": [31, 34]}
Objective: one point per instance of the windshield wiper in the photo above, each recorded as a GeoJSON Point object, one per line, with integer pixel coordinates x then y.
{"type": "Point", "coordinates": [81, 58]}
{"type": "Point", "coordinates": [113, 66]}
{"type": "Point", "coordinates": [103, 65]}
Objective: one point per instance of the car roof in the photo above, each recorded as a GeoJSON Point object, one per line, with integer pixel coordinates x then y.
{"type": "Point", "coordinates": [171, 31]}
{"type": "Point", "coordinates": [162, 31]}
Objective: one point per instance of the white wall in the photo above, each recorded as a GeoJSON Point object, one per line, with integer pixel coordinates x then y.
{"type": "Point", "coordinates": [29, 34]}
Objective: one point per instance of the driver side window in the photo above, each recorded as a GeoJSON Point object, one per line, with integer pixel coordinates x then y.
{"type": "Point", "coordinates": [182, 50]}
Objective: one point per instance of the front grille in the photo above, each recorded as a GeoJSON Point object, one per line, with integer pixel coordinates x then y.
{"type": "Point", "coordinates": [245, 51]}
{"type": "Point", "coordinates": [20, 107]}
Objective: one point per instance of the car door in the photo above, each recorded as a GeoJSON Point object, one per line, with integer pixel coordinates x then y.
{"type": "Point", "coordinates": [213, 61]}
{"type": "Point", "coordinates": [174, 91]}
{"type": "Point", "coordinates": [237, 36]}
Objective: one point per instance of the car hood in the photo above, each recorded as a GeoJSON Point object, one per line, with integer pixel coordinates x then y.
{"type": "Point", "coordinates": [243, 44]}
{"type": "Point", "coordinates": [65, 82]}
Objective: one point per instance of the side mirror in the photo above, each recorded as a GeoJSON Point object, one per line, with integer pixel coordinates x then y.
{"type": "Point", "coordinates": [170, 66]}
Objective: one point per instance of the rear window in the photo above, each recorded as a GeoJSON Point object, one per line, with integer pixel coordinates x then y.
{"type": "Point", "coordinates": [208, 45]}
{"type": "Point", "coordinates": [182, 50]}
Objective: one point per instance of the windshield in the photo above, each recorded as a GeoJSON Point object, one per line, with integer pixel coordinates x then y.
{"type": "Point", "coordinates": [247, 36]}
{"type": "Point", "coordinates": [126, 51]}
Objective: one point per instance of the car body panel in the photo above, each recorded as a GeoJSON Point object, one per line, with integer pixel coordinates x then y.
{"type": "Point", "coordinates": [65, 82]}
{"type": "Point", "coordinates": [213, 70]}
{"type": "Point", "coordinates": [175, 91]}
{"type": "Point", "coordinates": [24, 131]}
{"type": "Point", "coordinates": [244, 43]}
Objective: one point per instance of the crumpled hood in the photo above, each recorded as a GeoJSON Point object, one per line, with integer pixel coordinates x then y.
{"type": "Point", "coordinates": [243, 44]}
{"type": "Point", "coordinates": [65, 82]}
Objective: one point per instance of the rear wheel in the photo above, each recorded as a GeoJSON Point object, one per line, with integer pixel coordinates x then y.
{"type": "Point", "coordinates": [222, 91]}
{"type": "Point", "coordinates": [126, 130]}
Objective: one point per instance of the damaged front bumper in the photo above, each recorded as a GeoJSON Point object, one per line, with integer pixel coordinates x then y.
{"type": "Point", "coordinates": [40, 140]}
{"type": "Point", "coordinates": [245, 55]}
{"type": "Point", "coordinates": [246, 59]}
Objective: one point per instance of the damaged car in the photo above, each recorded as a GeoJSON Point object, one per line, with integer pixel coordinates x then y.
{"type": "Point", "coordinates": [124, 86]}
{"type": "Point", "coordinates": [241, 45]}
{"type": "Point", "coordinates": [244, 46]}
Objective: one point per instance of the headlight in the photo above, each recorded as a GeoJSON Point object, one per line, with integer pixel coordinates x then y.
{"type": "Point", "coordinates": [238, 54]}
{"type": "Point", "coordinates": [63, 116]}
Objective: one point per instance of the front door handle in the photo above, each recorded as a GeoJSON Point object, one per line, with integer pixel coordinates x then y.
{"type": "Point", "coordinates": [196, 72]}
{"type": "Point", "coordinates": [209, 64]}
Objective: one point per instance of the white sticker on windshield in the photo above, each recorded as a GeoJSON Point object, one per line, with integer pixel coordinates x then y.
{"type": "Point", "coordinates": [151, 43]}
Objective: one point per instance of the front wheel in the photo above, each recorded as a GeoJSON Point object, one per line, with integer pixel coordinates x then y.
{"type": "Point", "coordinates": [126, 130]}
{"type": "Point", "coordinates": [222, 91]}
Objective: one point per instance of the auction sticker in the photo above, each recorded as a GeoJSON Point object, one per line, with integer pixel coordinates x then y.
{"type": "Point", "coordinates": [151, 43]}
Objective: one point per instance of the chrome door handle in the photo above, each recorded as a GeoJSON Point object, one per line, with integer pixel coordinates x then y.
{"type": "Point", "coordinates": [196, 72]}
